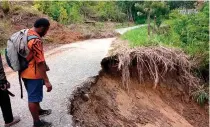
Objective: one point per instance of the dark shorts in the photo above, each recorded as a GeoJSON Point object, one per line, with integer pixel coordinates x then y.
{"type": "Point", "coordinates": [34, 88]}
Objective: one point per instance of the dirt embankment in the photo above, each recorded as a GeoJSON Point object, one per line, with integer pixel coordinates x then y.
{"type": "Point", "coordinates": [21, 16]}
{"type": "Point", "coordinates": [111, 106]}
{"type": "Point", "coordinates": [24, 17]}
{"type": "Point", "coordinates": [110, 102]}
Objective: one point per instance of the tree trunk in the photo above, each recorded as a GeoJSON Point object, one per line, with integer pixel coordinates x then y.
{"type": "Point", "coordinates": [148, 19]}
{"type": "Point", "coordinates": [130, 13]}
{"type": "Point", "coordinates": [154, 29]}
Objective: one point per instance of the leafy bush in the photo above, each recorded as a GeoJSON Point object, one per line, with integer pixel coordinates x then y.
{"type": "Point", "coordinates": [5, 6]}
{"type": "Point", "coordinates": [141, 19]}
{"type": "Point", "coordinates": [75, 11]}
{"type": "Point", "coordinates": [194, 34]}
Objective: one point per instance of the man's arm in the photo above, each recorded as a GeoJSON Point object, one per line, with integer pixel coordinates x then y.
{"type": "Point", "coordinates": [38, 54]}
{"type": "Point", "coordinates": [43, 72]}
{"type": "Point", "coordinates": [3, 80]}
{"type": "Point", "coordinates": [2, 73]}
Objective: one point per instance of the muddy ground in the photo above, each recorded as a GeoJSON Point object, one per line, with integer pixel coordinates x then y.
{"type": "Point", "coordinates": [102, 102]}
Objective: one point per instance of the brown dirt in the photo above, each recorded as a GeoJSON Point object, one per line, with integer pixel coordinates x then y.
{"type": "Point", "coordinates": [24, 16]}
{"type": "Point", "coordinates": [95, 30]}
{"type": "Point", "coordinates": [106, 102]}
{"type": "Point", "coordinates": [111, 106]}
{"type": "Point", "coordinates": [57, 33]}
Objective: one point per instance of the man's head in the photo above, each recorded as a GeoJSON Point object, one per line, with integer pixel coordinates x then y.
{"type": "Point", "coordinates": [41, 26]}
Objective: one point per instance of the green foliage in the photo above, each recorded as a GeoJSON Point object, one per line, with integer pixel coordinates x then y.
{"type": "Point", "coordinates": [63, 18]}
{"type": "Point", "coordinates": [201, 95]}
{"type": "Point", "coordinates": [194, 33]}
{"type": "Point", "coordinates": [128, 8]}
{"type": "Point", "coordinates": [160, 10]}
{"type": "Point", "coordinates": [139, 37]}
{"type": "Point", "coordinates": [188, 32]}
{"type": "Point", "coordinates": [74, 15]}
{"type": "Point", "coordinates": [61, 11]}
{"type": "Point", "coordinates": [141, 19]}
{"type": "Point", "coordinates": [136, 37]}
{"type": "Point", "coordinates": [75, 11]}
{"type": "Point", "coordinates": [5, 6]}
{"type": "Point", "coordinates": [104, 11]}
{"type": "Point", "coordinates": [181, 4]}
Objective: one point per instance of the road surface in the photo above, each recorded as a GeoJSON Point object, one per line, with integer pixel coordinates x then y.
{"type": "Point", "coordinates": [70, 64]}
{"type": "Point", "coordinates": [123, 30]}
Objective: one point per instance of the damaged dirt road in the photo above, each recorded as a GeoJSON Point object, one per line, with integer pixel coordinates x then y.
{"type": "Point", "coordinates": [70, 65]}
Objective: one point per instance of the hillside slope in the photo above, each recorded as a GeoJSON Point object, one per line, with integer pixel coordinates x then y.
{"type": "Point", "coordinates": [21, 17]}
{"type": "Point", "coordinates": [111, 106]}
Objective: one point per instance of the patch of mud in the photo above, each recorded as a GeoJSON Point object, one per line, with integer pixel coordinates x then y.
{"type": "Point", "coordinates": [99, 35]}
{"type": "Point", "coordinates": [103, 103]}
{"type": "Point", "coordinates": [96, 30]}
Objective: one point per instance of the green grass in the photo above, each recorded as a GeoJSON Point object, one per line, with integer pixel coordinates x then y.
{"type": "Point", "coordinates": [136, 37]}
{"type": "Point", "coordinates": [139, 37]}
{"type": "Point", "coordinates": [2, 51]}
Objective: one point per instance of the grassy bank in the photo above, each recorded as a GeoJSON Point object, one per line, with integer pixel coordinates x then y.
{"type": "Point", "coordinates": [198, 54]}
{"type": "Point", "coordinates": [187, 32]}
{"type": "Point", "coordinates": [139, 37]}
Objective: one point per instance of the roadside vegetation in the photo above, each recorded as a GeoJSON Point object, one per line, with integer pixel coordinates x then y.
{"type": "Point", "coordinates": [188, 32]}
{"type": "Point", "coordinates": [84, 20]}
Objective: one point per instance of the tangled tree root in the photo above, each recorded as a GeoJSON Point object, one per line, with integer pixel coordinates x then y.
{"type": "Point", "coordinates": [157, 64]}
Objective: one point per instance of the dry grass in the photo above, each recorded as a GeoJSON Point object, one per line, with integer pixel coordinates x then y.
{"type": "Point", "coordinates": [157, 64]}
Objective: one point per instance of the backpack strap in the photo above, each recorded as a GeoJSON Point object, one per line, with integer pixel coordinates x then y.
{"type": "Point", "coordinates": [21, 85]}
{"type": "Point", "coordinates": [19, 72]}
{"type": "Point", "coordinates": [32, 37]}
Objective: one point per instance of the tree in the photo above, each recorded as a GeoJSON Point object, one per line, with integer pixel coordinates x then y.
{"type": "Point", "coordinates": [157, 10]}
{"type": "Point", "coordinates": [63, 16]}
{"type": "Point", "coordinates": [127, 7]}
{"type": "Point", "coordinates": [181, 4]}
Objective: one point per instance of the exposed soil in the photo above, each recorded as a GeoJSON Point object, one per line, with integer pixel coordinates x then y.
{"type": "Point", "coordinates": [95, 30]}
{"type": "Point", "coordinates": [57, 33]}
{"type": "Point", "coordinates": [113, 100]}
{"type": "Point", "coordinates": [24, 17]}
{"type": "Point", "coordinates": [108, 105]}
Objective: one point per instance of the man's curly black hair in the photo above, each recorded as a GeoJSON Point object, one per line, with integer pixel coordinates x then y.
{"type": "Point", "coordinates": [42, 22]}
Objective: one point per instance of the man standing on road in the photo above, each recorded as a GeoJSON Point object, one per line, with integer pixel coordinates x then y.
{"type": "Point", "coordinates": [5, 100]}
{"type": "Point", "coordinates": [35, 75]}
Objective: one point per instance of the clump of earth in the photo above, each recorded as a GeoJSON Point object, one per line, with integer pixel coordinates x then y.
{"type": "Point", "coordinates": [117, 97]}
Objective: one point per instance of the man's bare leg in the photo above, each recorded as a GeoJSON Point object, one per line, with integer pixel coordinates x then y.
{"type": "Point", "coordinates": [34, 109]}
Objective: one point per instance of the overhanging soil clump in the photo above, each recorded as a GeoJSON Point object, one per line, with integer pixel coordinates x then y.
{"type": "Point", "coordinates": [147, 86]}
